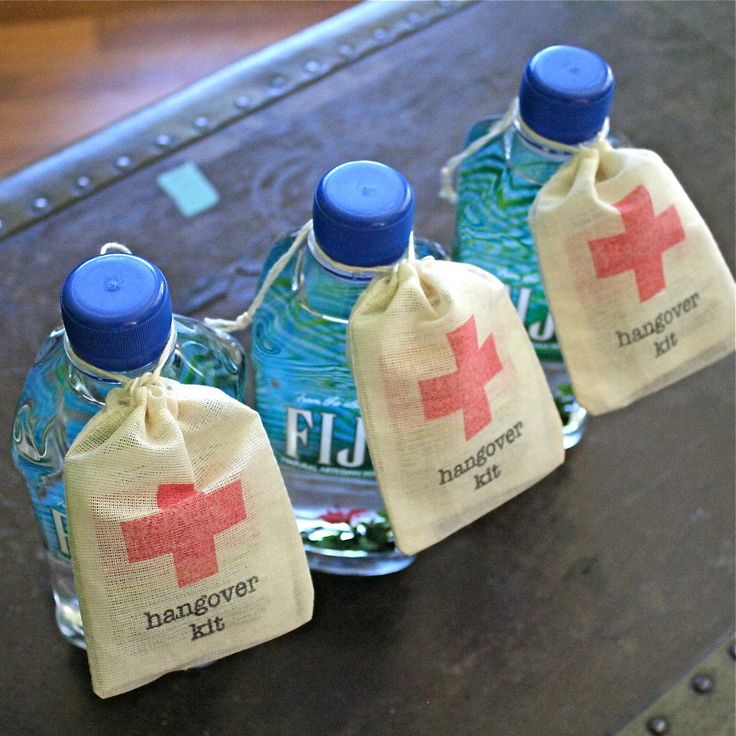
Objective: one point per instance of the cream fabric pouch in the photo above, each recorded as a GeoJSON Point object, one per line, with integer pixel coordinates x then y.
{"type": "Point", "coordinates": [457, 412]}
{"type": "Point", "coordinates": [640, 293]}
{"type": "Point", "coordinates": [183, 540]}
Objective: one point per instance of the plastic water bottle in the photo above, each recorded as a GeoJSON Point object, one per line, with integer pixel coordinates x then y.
{"type": "Point", "coordinates": [117, 316]}
{"type": "Point", "coordinates": [362, 218]}
{"type": "Point", "coordinates": [565, 96]}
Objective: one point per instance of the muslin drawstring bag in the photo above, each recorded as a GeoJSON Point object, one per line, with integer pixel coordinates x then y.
{"type": "Point", "coordinates": [457, 413]}
{"type": "Point", "coordinates": [640, 293]}
{"type": "Point", "coordinates": [183, 540]}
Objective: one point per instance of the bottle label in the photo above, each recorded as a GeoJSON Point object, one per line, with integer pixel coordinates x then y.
{"type": "Point", "coordinates": [325, 435]}
{"type": "Point", "coordinates": [51, 516]}
{"type": "Point", "coordinates": [531, 306]}
{"type": "Point", "coordinates": [61, 532]}
{"type": "Point", "coordinates": [299, 424]}
{"type": "Point", "coordinates": [328, 439]}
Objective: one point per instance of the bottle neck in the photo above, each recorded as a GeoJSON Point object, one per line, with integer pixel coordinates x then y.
{"type": "Point", "coordinates": [326, 289]}
{"type": "Point", "coordinates": [528, 159]}
{"type": "Point", "coordinates": [93, 386]}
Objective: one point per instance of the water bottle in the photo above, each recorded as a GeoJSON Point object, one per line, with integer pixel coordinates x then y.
{"type": "Point", "coordinates": [564, 99]}
{"type": "Point", "coordinates": [116, 315]}
{"type": "Point", "coordinates": [304, 390]}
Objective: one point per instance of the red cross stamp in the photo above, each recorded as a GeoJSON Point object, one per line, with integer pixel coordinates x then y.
{"type": "Point", "coordinates": [185, 528]}
{"type": "Point", "coordinates": [641, 246]}
{"type": "Point", "coordinates": [464, 390]}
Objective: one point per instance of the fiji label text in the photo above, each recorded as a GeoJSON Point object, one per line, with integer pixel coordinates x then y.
{"type": "Point", "coordinates": [301, 422]}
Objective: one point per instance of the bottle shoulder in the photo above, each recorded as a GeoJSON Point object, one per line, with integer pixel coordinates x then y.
{"type": "Point", "coordinates": [480, 128]}
{"type": "Point", "coordinates": [302, 322]}
{"type": "Point", "coordinates": [207, 356]}
{"type": "Point", "coordinates": [286, 329]}
{"type": "Point", "coordinates": [57, 399]}
{"type": "Point", "coordinates": [425, 247]}
{"type": "Point", "coordinates": [280, 246]}
{"type": "Point", "coordinates": [48, 413]}
{"type": "Point", "coordinates": [306, 295]}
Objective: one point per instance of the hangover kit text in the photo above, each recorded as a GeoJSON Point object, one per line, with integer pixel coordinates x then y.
{"type": "Point", "coordinates": [658, 325]}
{"type": "Point", "coordinates": [199, 607]}
{"type": "Point", "coordinates": [481, 457]}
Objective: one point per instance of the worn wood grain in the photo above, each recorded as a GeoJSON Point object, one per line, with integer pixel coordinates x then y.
{"type": "Point", "coordinates": [69, 68]}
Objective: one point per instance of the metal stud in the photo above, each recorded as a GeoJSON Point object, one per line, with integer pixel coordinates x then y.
{"type": "Point", "coordinates": [702, 684]}
{"type": "Point", "coordinates": [312, 66]}
{"type": "Point", "coordinates": [82, 182]}
{"type": "Point", "coordinates": [278, 82]}
{"type": "Point", "coordinates": [658, 726]}
{"type": "Point", "coordinates": [123, 162]}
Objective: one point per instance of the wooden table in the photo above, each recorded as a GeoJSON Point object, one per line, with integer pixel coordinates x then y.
{"type": "Point", "coordinates": [567, 611]}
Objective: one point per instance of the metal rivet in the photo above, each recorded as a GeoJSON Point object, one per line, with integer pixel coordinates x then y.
{"type": "Point", "coordinates": [702, 684]}
{"type": "Point", "coordinates": [278, 82]}
{"type": "Point", "coordinates": [202, 122]}
{"type": "Point", "coordinates": [123, 162]}
{"type": "Point", "coordinates": [312, 66]}
{"type": "Point", "coordinates": [242, 102]}
{"type": "Point", "coordinates": [83, 182]}
{"type": "Point", "coordinates": [40, 204]}
{"type": "Point", "coordinates": [346, 49]}
{"type": "Point", "coordinates": [380, 34]}
{"type": "Point", "coordinates": [164, 140]}
{"type": "Point", "coordinates": [658, 726]}
{"type": "Point", "coordinates": [732, 650]}
{"type": "Point", "coordinates": [415, 18]}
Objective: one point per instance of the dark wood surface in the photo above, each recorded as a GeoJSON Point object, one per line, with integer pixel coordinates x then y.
{"type": "Point", "coordinates": [567, 611]}
{"type": "Point", "coordinates": [69, 68]}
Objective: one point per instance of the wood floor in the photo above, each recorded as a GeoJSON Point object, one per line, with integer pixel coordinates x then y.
{"type": "Point", "coordinates": [68, 68]}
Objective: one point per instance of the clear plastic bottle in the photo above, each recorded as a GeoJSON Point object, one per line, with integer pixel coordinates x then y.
{"type": "Point", "coordinates": [362, 217]}
{"type": "Point", "coordinates": [565, 96]}
{"type": "Point", "coordinates": [117, 315]}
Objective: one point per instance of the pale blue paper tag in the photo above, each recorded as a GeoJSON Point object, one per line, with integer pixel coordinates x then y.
{"type": "Point", "coordinates": [190, 189]}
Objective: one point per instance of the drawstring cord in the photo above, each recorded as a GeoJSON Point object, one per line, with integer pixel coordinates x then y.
{"type": "Point", "coordinates": [128, 384]}
{"type": "Point", "coordinates": [510, 118]}
{"type": "Point", "coordinates": [305, 234]}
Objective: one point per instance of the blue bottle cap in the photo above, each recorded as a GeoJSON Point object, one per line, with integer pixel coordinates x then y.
{"type": "Point", "coordinates": [363, 213]}
{"type": "Point", "coordinates": [566, 93]}
{"type": "Point", "coordinates": [116, 311]}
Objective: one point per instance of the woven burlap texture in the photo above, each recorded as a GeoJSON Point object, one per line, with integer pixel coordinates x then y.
{"type": "Point", "coordinates": [448, 450]}
{"type": "Point", "coordinates": [640, 293]}
{"type": "Point", "coordinates": [140, 480]}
